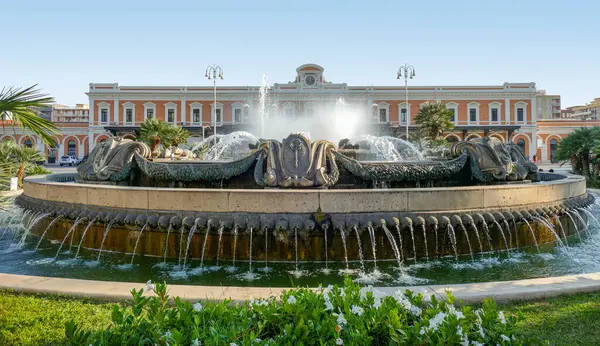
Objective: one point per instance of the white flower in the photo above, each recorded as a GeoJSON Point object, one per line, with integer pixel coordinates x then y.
{"type": "Point", "coordinates": [196, 342]}
{"type": "Point", "coordinates": [339, 341]}
{"type": "Point", "coordinates": [291, 300]}
{"type": "Point", "coordinates": [436, 321]}
{"type": "Point", "coordinates": [463, 337]}
{"type": "Point", "coordinates": [258, 302]}
{"type": "Point", "coordinates": [377, 303]}
{"type": "Point", "coordinates": [150, 286]}
{"type": "Point", "coordinates": [415, 310]}
{"type": "Point", "coordinates": [342, 293]}
{"type": "Point", "coordinates": [476, 343]}
{"type": "Point", "coordinates": [459, 315]}
{"type": "Point", "coordinates": [504, 337]}
{"type": "Point", "coordinates": [233, 344]}
{"type": "Point", "coordinates": [328, 305]}
{"type": "Point", "coordinates": [422, 331]}
{"type": "Point", "coordinates": [341, 320]}
{"type": "Point", "coordinates": [501, 317]}
{"type": "Point", "coordinates": [357, 310]}
{"type": "Point", "coordinates": [167, 335]}
{"type": "Point", "coordinates": [197, 307]}
{"type": "Point", "coordinates": [257, 340]}
{"type": "Point", "coordinates": [481, 332]}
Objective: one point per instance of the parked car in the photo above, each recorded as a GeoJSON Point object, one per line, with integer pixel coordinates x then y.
{"type": "Point", "coordinates": [68, 161]}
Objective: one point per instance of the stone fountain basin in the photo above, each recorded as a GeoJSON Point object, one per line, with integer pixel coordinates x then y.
{"type": "Point", "coordinates": [282, 210]}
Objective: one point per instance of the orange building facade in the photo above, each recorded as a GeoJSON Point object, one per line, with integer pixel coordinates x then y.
{"type": "Point", "coordinates": [508, 111]}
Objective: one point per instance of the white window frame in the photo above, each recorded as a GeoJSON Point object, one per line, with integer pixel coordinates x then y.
{"type": "Point", "coordinates": [103, 105]}
{"type": "Point", "coordinates": [194, 106]}
{"type": "Point", "coordinates": [234, 106]}
{"type": "Point", "coordinates": [147, 106]}
{"type": "Point", "coordinates": [518, 105]}
{"type": "Point", "coordinates": [127, 106]}
{"type": "Point", "coordinates": [386, 106]}
{"type": "Point", "coordinates": [290, 106]}
{"type": "Point", "coordinates": [400, 106]}
{"type": "Point", "coordinates": [498, 106]}
{"type": "Point", "coordinates": [171, 106]}
{"type": "Point", "coordinates": [212, 111]}
{"type": "Point", "coordinates": [473, 105]}
{"type": "Point", "coordinates": [454, 106]}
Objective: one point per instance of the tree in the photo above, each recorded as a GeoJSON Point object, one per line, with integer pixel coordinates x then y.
{"type": "Point", "coordinates": [433, 120]}
{"type": "Point", "coordinates": [19, 105]}
{"type": "Point", "coordinates": [578, 147]}
{"type": "Point", "coordinates": [16, 158]}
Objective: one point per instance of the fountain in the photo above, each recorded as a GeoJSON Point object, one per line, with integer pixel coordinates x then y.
{"type": "Point", "coordinates": [286, 201]}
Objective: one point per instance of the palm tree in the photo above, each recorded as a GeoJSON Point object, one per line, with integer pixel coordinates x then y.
{"type": "Point", "coordinates": [577, 148]}
{"type": "Point", "coordinates": [16, 158]}
{"type": "Point", "coordinates": [153, 132]}
{"type": "Point", "coordinates": [19, 105]}
{"type": "Point", "coordinates": [178, 135]}
{"type": "Point", "coordinates": [433, 120]}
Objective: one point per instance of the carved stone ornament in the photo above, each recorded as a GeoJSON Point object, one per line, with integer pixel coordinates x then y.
{"type": "Point", "coordinates": [296, 162]}
{"type": "Point", "coordinates": [493, 160]}
{"type": "Point", "coordinates": [111, 160]}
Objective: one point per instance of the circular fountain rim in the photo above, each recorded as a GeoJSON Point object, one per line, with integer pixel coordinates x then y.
{"type": "Point", "coordinates": [115, 291]}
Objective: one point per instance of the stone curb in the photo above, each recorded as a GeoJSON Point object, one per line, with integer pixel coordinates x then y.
{"type": "Point", "coordinates": [500, 291]}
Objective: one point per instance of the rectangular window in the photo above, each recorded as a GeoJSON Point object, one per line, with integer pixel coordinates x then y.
{"type": "Point", "coordinates": [237, 115]}
{"type": "Point", "coordinates": [196, 115]}
{"type": "Point", "coordinates": [218, 116]}
{"type": "Point", "coordinates": [150, 113]}
{"type": "Point", "coordinates": [520, 113]}
{"type": "Point", "coordinates": [104, 115]}
{"type": "Point", "coordinates": [129, 115]}
{"type": "Point", "coordinates": [403, 114]}
{"type": "Point", "coordinates": [383, 115]}
{"type": "Point", "coordinates": [472, 114]}
{"type": "Point", "coordinates": [171, 116]}
{"type": "Point", "coordinates": [494, 114]}
{"type": "Point", "coordinates": [453, 116]}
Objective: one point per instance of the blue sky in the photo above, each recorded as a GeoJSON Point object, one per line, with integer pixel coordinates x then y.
{"type": "Point", "coordinates": [64, 45]}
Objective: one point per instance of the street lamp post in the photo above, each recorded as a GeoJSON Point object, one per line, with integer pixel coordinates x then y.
{"type": "Point", "coordinates": [212, 73]}
{"type": "Point", "coordinates": [408, 72]}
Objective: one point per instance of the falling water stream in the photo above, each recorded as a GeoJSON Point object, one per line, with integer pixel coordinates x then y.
{"type": "Point", "coordinates": [468, 240]}
{"type": "Point", "coordinates": [360, 253]}
{"type": "Point", "coordinates": [30, 226]}
{"type": "Point", "coordinates": [75, 224]}
{"type": "Point", "coordinates": [219, 244]}
{"type": "Point", "coordinates": [167, 243]}
{"type": "Point", "coordinates": [89, 225]}
{"type": "Point", "coordinates": [557, 219]}
{"type": "Point", "coordinates": [235, 236]}
{"type": "Point", "coordinates": [551, 228]}
{"type": "Point", "coordinates": [46, 231]}
{"type": "Point", "coordinates": [585, 225]}
{"type": "Point", "coordinates": [508, 231]}
{"type": "Point", "coordinates": [452, 236]}
{"type": "Point", "coordinates": [267, 247]}
{"type": "Point", "coordinates": [137, 241]}
{"type": "Point", "coordinates": [108, 226]}
{"type": "Point", "coordinates": [503, 236]}
{"type": "Point", "coordinates": [574, 224]}
{"type": "Point", "coordinates": [180, 244]}
{"type": "Point", "coordinates": [189, 241]}
{"type": "Point", "coordinates": [425, 240]}
{"type": "Point", "coordinates": [478, 238]}
{"type": "Point", "coordinates": [373, 243]}
{"type": "Point", "coordinates": [435, 231]}
{"type": "Point", "coordinates": [401, 249]}
{"type": "Point", "coordinates": [412, 236]}
{"type": "Point", "coordinates": [203, 245]}
{"type": "Point", "coordinates": [486, 231]}
{"type": "Point", "coordinates": [533, 235]}
{"type": "Point", "coordinates": [343, 235]}
{"type": "Point", "coordinates": [250, 268]}
{"type": "Point", "coordinates": [392, 243]}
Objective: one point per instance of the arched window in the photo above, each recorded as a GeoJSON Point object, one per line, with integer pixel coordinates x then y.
{"type": "Point", "coordinates": [521, 144]}
{"type": "Point", "coordinates": [553, 147]}
{"type": "Point", "coordinates": [28, 143]}
{"type": "Point", "coordinates": [451, 139]}
{"type": "Point", "coordinates": [72, 148]}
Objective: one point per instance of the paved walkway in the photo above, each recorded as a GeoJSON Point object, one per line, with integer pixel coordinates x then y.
{"type": "Point", "coordinates": [501, 291]}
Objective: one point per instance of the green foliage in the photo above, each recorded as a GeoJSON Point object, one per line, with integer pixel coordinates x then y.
{"type": "Point", "coordinates": [154, 132]}
{"type": "Point", "coordinates": [16, 159]}
{"type": "Point", "coordinates": [201, 151]}
{"type": "Point", "coordinates": [433, 120]}
{"type": "Point", "coordinates": [36, 170]}
{"type": "Point", "coordinates": [578, 148]}
{"type": "Point", "coordinates": [19, 105]}
{"type": "Point", "coordinates": [350, 316]}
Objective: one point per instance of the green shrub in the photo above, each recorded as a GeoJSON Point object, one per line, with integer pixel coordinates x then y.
{"type": "Point", "coordinates": [331, 316]}
{"type": "Point", "coordinates": [36, 170]}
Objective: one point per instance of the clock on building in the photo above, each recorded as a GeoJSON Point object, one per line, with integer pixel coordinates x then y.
{"type": "Point", "coordinates": [310, 80]}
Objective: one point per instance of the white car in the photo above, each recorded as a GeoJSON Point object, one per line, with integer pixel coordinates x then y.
{"type": "Point", "coordinates": [68, 161]}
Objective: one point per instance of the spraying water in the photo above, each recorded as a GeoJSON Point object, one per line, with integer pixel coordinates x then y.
{"type": "Point", "coordinates": [425, 239]}
{"type": "Point", "coordinates": [557, 219]}
{"type": "Point", "coordinates": [250, 268]}
{"type": "Point", "coordinates": [89, 225]}
{"type": "Point", "coordinates": [503, 236]}
{"type": "Point", "coordinates": [389, 148]}
{"type": "Point", "coordinates": [392, 243]}
{"type": "Point", "coordinates": [108, 226]}
{"type": "Point", "coordinates": [343, 235]}
{"type": "Point", "coordinates": [508, 231]}
{"type": "Point", "coordinates": [219, 244]}
{"type": "Point", "coordinates": [267, 247]}
{"type": "Point", "coordinates": [263, 104]}
{"type": "Point", "coordinates": [75, 224]}
{"type": "Point", "coordinates": [401, 248]}
{"type": "Point", "coordinates": [373, 243]}
{"type": "Point", "coordinates": [226, 147]}
{"type": "Point", "coordinates": [203, 246]}
{"type": "Point", "coordinates": [412, 236]}
{"type": "Point", "coordinates": [452, 236]}
{"type": "Point", "coordinates": [435, 231]}
{"type": "Point", "coordinates": [486, 231]}
{"type": "Point", "coordinates": [28, 228]}
{"type": "Point", "coordinates": [478, 238]}
{"type": "Point", "coordinates": [551, 228]}
{"type": "Point", "coordinates": [137, 241]}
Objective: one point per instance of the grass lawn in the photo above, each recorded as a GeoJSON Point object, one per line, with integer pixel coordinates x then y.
{"type": "Point", "coordinates": [39, 320]}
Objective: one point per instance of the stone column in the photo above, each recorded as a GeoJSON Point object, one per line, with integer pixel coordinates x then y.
{"type": "Point", "coordinates": [183, 111]}
{"type": "Point", "coordinates": [116, 112]}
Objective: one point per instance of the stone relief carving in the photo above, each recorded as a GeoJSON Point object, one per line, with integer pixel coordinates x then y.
{"type": "Point", "coordinates": [493, 160]}
{"type": "Point", "coordinates": [296, 162]}
{"type": "Point", "coordinates": [112, 160]}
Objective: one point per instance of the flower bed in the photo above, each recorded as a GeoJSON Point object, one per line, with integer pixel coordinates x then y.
{"type": "Point", "coordinates": [349, 315]}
